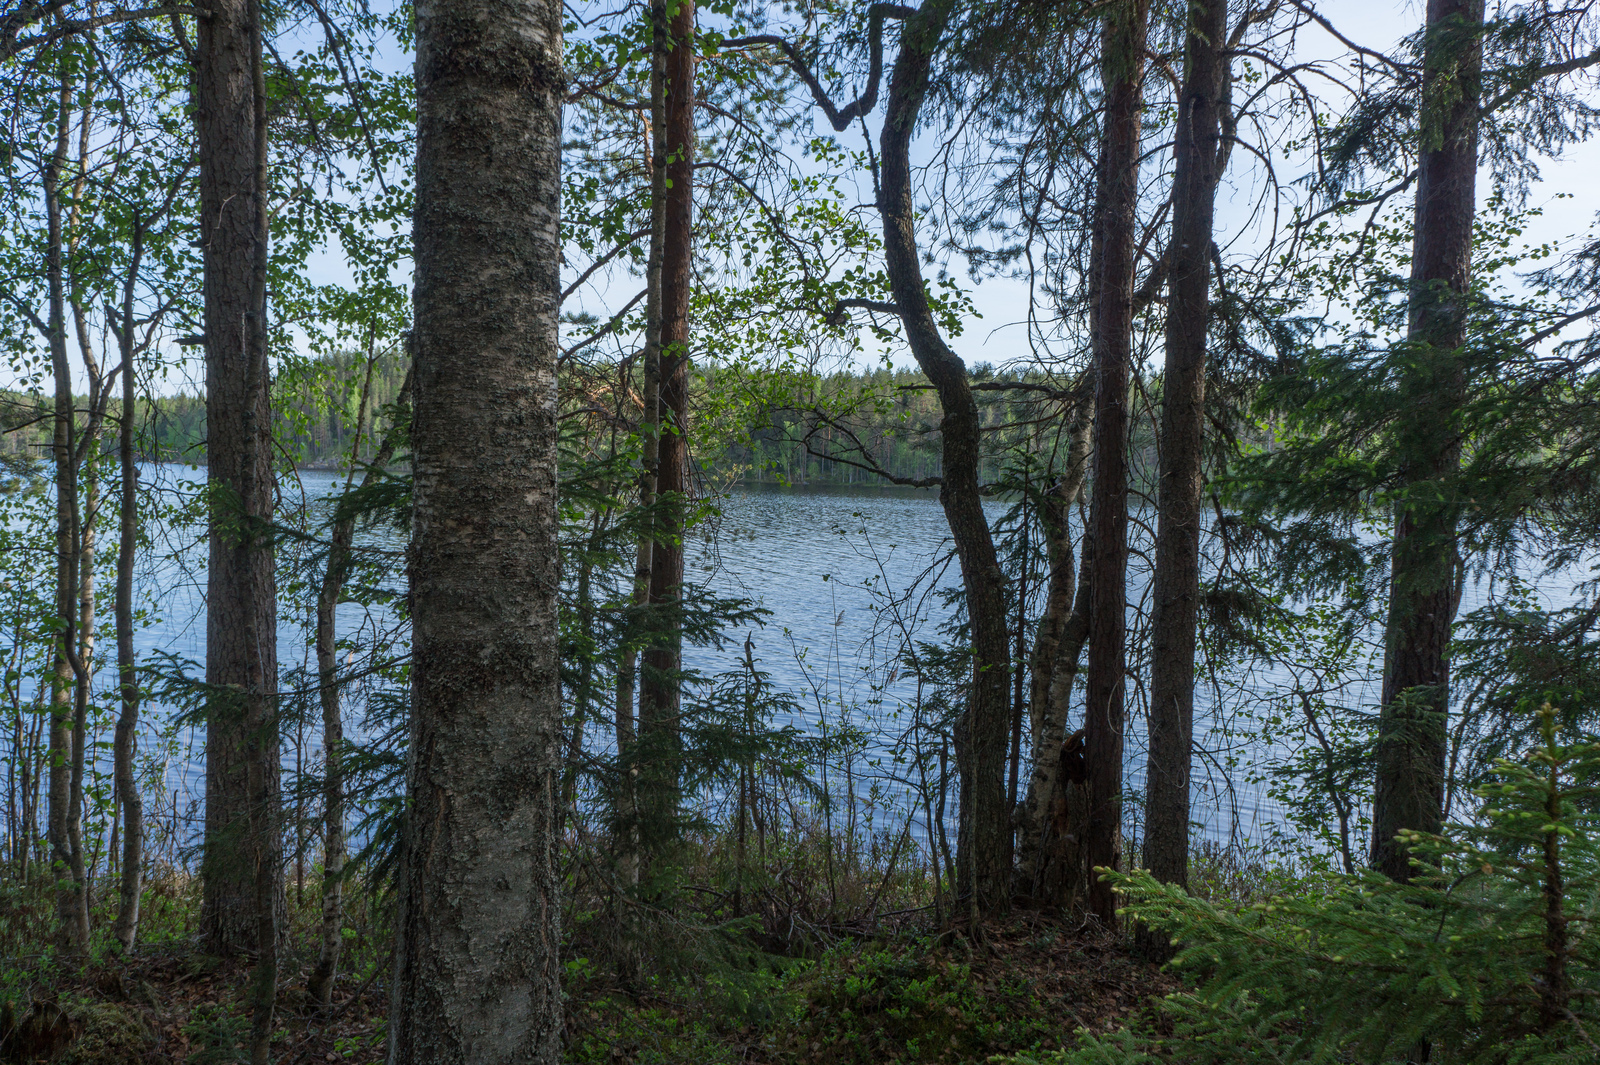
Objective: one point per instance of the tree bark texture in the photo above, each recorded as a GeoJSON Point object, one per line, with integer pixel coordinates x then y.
{"type": "Point", "coordinates": [986, 821]}
{"type": "Point", "coordinates": [659, 697]}
{"type": "Point", "coordinates": [1423, 584]}
{"type": "Point", "coordinates": [1122, 74]}
{"type": "Point", "coordinates": [476, 972]}
{"type": "Point", "coordinates": [241, 599]}
{"type": "Point", "coordinates": [1050, 693]}
{"type": "Point", "coordinates": [1176, 593]}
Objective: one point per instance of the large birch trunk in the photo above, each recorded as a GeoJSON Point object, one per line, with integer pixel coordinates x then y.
{"type": "Point", "coordinates": [476, 974]}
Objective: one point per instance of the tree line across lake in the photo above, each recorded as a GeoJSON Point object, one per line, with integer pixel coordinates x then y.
{"type": "Point", "coordinates": [1218, 515]}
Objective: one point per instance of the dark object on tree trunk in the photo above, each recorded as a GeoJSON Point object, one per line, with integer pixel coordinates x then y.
{"type": "Point", "coordinates": [43, 1033]}
{"type": "Point", "coordinates": [1063, 874]}
{"type": "Point", "coordinates": [476, 975]}
{"type": "Point", "coordinates": [1073, 768]}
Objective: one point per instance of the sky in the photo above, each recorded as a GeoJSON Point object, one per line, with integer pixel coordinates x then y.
{"type": "Point", "coordinates": [1370, 23]}
{"type": "Point", "coordinates": [1003, 302]}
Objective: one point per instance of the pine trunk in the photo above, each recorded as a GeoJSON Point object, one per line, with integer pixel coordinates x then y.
{"type": "Point", "coordinates": [627, 828]}
{"type": "Point", "coordinates": [1176, 590]}
{"type": "Point", "coordinates": [476, 971]}
{"type": "Point", "coordinates": [1117, 193]}
{"type": "Point", "coordinates": [1423, 585]}
{"type": "Point", "coordinates": [241, 601]}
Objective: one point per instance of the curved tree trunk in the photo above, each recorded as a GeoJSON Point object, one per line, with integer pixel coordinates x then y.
{"type": "Point", "coordinates": [476, 972]}
{"type": "Point", "coordinates": [1423, 571]}
{"type": "Point", "coordinates": [983, 871]}
{"type": "Point", "coordinates": [1122, 74]}
{"type": "Point", "coordinates": [1176, 590]}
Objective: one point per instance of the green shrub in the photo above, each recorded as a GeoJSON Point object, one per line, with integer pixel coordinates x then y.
{"type": "Point", "coordinates": [1488, 957]}
{"type": "Point", "coordinates": [218, 1035]}
{"type": "Point", "coordinates": [869, 1006]}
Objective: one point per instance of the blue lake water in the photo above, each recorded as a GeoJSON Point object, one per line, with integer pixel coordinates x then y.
{"type": "Point", "coordinates": [850, 577]}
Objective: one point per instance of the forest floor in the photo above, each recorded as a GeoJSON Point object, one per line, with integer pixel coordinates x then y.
{"type": "Point", "coordinates": [1027, 983]}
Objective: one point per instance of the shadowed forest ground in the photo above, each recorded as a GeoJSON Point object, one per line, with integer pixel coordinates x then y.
{"type": "Point", "coordinates": [717, 991]}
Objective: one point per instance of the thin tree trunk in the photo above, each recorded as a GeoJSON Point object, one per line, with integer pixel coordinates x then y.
{"type": "Point", "coordinates": [1122, 75]}
{"type": "Point", "coordinates": [476, 970]}
{"type": "Point", "coordinates": [1049, 698]}
{"type": "Point", "coordinates": [320, 983]}
{"type": "Point", "coordinates": [261, 630]}
{"type": "Point", "coordinates": [83, 658]}
{"type": "Point", "coordinates": [66, 744]}
{"type": "Point", "coordinates": [85, 512]}
{"type": "Point", "coordinates": [1177, 565]}
{"type": "Point", "coordinates": [659, 697]}
{"type": "Point", "coordinates": [985, 819]}
{"type": "Point", "coordinates": [241, 608]}
{"type": "Point", "coordinates": [1019, 703]}
{"type": "Point", "coordinates": [649, 460]}
{"type": "Point", "coordinates": [126, 929]}
{"type": "Point", "coordinates": [1423, 593]}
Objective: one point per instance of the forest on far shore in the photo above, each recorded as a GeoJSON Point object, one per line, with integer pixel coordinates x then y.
{"type": "Point", "coordinates": [778, 441]}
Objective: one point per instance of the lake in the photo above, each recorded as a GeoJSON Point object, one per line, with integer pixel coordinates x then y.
{"type": "Point", "coordinates": [849, 577]}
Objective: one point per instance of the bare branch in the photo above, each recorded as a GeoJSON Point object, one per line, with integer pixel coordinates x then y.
{"type": "Point", "coordinates": [28, 14]}
{"type": "Point", "coordinates": [606, 258]}
{"type": "Point", "coordinates": [840, 117]}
